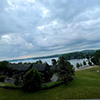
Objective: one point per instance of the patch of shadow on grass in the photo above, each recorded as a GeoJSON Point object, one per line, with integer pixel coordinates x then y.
{"type": "Point", "coordinates": [92, 70]}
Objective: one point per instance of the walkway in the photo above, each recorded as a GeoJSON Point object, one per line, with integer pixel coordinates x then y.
{"type": "Point", "coordinates": [87, 67]}
{"type": "Point", "coordinates": [54, 78]}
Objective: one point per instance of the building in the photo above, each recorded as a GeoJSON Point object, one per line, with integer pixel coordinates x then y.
{"type": "Point", "coordinates": [21, 69]}
{"type": "Point", "coordinates": [44, 69]}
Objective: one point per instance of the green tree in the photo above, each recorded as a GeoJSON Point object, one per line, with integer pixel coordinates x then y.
{"type": "Point", "coordinates": [10, 72]}
{"type": "Point", "coordinates": [2, 78]}
{"type": "Point", "coordinates": [4, 67]}
{"type": "Point", "coordinates": [20, 63]}
{"type": "Point", "coordinates": [96, 57]}
{"type": "Point", "coordinates": [65, 70]}
{"type": "Point", "coordinates": [84, 63]}
{"type": "Point", "coordinates": [39, 62]}
{"type": "Point", "coordinates": [17, 80]}
{"type": "Point", "coordinates": [94, 60]}
{"type": "Point", "coordinates": [87, 56]}
{"type": "Point", "coordinates": [54, 62]}
{"type": "Point", "coordinates": [32, 80]}
{"type": "Point", "coordinates": [90, 64]}
{"type": "Point", "coordinates": [29, 63]}
{"type": "Point", "coordinates": [25, 63]}
{"type": "Point", "coordinates": [78, 65]}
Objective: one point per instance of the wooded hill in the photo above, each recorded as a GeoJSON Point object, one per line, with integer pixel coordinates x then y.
{"type": "Point", "coordinates": [79, 55]}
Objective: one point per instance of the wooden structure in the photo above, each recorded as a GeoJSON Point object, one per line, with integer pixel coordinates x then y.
{"type": "Point", "coordinates": [21, 69]}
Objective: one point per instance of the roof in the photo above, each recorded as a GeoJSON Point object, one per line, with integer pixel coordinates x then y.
{"type": "Point", "coordinates": [41, 67]}
{"type": "Point", "coordinates": [20, 67]}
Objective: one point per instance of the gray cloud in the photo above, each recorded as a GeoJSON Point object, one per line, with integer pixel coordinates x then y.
{"type": "Point", "coordinates": [44, 27]}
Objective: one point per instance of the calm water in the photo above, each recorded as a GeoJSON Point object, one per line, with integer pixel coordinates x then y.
{"type": "Point", "coordinates": [48, 60]}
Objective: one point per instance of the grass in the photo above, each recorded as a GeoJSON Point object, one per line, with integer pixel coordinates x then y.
{"type": "Point", "coordinates": [86, 85]}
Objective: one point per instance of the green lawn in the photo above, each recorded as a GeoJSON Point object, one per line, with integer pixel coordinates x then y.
{"type": "Point", "coordinates": [86, 85]}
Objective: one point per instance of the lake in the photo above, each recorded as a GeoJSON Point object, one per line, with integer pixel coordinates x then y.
{"type": "Point", "coordinates": [48, 60]}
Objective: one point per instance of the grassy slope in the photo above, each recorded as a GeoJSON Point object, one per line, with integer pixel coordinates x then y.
{"type": "Point", "coordinates": [85, 85]}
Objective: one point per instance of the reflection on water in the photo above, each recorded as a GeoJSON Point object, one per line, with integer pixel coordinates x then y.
{"type": "Point", "coordinates": [48, 60]}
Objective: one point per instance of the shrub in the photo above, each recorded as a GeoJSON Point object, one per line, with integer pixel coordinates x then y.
{"type": "Point", "coordinates": [51, 85]}
{"type": "Point", "coordinates": [2, 78]}
{"type": "Point", "coordinates": [11, 87]}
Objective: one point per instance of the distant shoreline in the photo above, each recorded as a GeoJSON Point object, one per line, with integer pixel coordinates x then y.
{"type": "Point", "coordinates": [56, 55]}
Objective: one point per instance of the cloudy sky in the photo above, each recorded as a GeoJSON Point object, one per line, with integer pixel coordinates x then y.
{"type": "Point", "coordinates": [31, 28]}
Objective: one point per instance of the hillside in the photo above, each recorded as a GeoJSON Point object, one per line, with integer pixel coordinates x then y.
{"type": "Point", "coordinates": [86, 85]}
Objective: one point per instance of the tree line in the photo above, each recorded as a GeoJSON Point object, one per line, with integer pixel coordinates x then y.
{"type": "Point", "coordinates": [78, 55]}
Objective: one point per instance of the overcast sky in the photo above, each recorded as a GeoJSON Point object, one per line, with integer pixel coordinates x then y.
{"type": "Point", "coordinates": [31, 28]}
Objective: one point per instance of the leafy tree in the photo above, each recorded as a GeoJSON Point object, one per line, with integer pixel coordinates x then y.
{"type": "Point", "coordinates": [94, 60]}
{"type": "Point", "coordinates": [48, 75]}
{"type": "Point", "coordinates": [87, 56]}
{"type": "Point", "coordinates": [84, 63]}
{"type": "Point", "coordinates": [39, 62]}
{"type": "Point", "coordinates": [54, 62]}
{"type": "Point", "coordinates": [25, 63]}
{"type": "Point", "coordinates": [4, 67]}
{"type": "Point", "coordinates": [32, 80]}
{"type": "Point", "coordinates": [2, 78]}
{"type": "Point", "coordinates": [78, 65]}
{"type": "Point", "coordinates": [10, 72]}
{"type": "Point", "coordinates": [17, 80]}
{"type": "Point", "coordinates": [19, 62]}
{"type": "Point", "coordinates": [96, 57]}
{"type": "Point", "coordinates": [66, 70]}
{"type": "Point", "coordinates": [29, 63]}
{"type": "Point", "coordinates": [90, 64]}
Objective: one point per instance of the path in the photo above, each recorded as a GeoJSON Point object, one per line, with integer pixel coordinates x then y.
{"type": "Point", "coordinates": [83, 68]}
{"type": "Point", "coordinates": [9, 80]}
{"type": "Point", "coordinates": [54, 78]}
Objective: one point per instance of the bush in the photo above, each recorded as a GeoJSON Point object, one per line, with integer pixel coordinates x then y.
{"type": "Point", "coordinates": [11, 87]}
{"type": "Point", "coordinates": [51, 85]}
{"type": "Point", "coordinates": [2, 78]}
